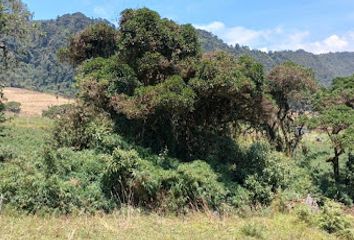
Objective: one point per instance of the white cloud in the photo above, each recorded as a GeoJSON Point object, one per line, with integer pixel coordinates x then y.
{"type": "Point", "coordinates": [212, 27]}
{"type": "Point", "coordinates": [280, 39]}
{"type": "Point", "coordinates": [100, 11]}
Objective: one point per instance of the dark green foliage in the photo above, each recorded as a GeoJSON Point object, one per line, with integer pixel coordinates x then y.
{"type": "Point", "coordinates": [14, 29]}
{"type": "Point", "coordinates": [71, 184]}
{"type": "Point", "coordinates": [265, 173]}
{"type": "Point", "coordinates": [290, 86]}
{"type": "Point", "coordinates": [151, 183]}
{"type": "Point", "coordinates": [14, 107]}
{"type": "Point", "coordinates": [165, 44]}
{"type": "Point", "coordinates": [98, 40]}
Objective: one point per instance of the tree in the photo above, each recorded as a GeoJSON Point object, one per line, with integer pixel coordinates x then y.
{"type": "Point", "coordinates": [336, 117]}
{"type": "Point", "coordinates": [14, 28]}
{"type": "Point", "coordinates": [156, 48]}
{"type": "Point", "coordinates": [14, 23]}
{"type": "Point", "coordinates": [2, 108]}
{"type": "Point", "coordinates": [162, 93]}
{"type": "Point", "coordinates": [290, 86]}
{"type": "Point", "coordinates": [98, 40]}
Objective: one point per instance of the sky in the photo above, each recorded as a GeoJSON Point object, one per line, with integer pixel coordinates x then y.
{"type": "Point", "coordinates": [318, 26]}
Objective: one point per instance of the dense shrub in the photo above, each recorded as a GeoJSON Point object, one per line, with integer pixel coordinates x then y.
{"type": "Point", "coordinates": [332, 219]}
{"type": "Point", "coordinates": [6, 153]}
{"type": "Point", "coordinates": [14, 107]}
{"type": "Point", "coordinates": [65, 181]}
{"type": "Point", "coordinates": [133, 180]}
{"type": "Point", "coordinates": [82, 127]}
{"type": "Point", "coordinates": [264, 173]}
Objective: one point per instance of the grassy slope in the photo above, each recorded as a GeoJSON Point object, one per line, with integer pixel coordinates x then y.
{"type": "Point", "coordinates": [139, 226]}
{"type": "Point", "coordinates": [32, 102]}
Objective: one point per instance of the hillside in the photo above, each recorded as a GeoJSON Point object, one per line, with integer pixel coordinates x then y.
{"type": "Point", "coordinates": [326, 66]}
{"type": "Point", "coordinates": [41, 70]}
{"type": "Point", "coordinates": [39, 67]}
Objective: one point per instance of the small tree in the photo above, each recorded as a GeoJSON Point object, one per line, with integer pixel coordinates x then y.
{"type": "Point", "coordinates": [335, 107]}
{"type": "Point", "coordinates": [290, 86]}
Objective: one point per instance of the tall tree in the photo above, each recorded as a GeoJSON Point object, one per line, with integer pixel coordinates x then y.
{"type": "Point", "coordinates": [161, 92]}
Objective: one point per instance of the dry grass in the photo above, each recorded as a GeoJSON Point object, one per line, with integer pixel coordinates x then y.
{"type": "Point", "coordinates": [139, 226]}
{"type": "Point", "coordinates": [32, 102]}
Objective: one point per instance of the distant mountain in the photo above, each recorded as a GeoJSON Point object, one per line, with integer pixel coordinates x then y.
{"type": "Point", "coordinates": [40, 69]}
{"type": "Point", "coordinates": [326, 66]}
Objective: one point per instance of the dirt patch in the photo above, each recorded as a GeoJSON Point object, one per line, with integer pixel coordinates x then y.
{"type": "Point", "coordinates": [32, 102]}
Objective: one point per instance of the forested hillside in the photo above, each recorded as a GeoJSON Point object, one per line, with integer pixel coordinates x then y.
{"type": "Point", "coordinates": [40, 69]}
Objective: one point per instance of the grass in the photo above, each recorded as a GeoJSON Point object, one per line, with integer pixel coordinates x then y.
{"type": "Point", "coordinates": [26, 135]}
{"type": "Point", "coordinates": [129, 224]}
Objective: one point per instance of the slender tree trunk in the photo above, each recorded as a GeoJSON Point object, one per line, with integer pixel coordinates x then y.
{"type": "Point", "coordinates": [335, 164]}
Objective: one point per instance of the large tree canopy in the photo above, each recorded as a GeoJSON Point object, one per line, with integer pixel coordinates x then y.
{"type": "Point", "coordinates": [160, 90]}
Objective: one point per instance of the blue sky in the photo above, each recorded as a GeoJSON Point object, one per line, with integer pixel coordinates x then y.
{"type": "Point", "coordinates": [317, 26]}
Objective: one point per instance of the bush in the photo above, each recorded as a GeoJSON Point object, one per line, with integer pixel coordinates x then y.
{"type": "Point", "coordinates": [151, 183]}
{"type": "Point", "coordinates": [332, 218]}
{"type": "Point", "coordinates": [6, 153]}
{"type": "Point", "coordinates": [57, 111]}
{"type": "Point", "coordinates": [264, 173]}
{"type": "Point", "coordinates": [14, 107]}
{"type": "Point", "coordinates": [253, 230]}
{"type": "Point", "coordinates": [65, 182]}
{"type": "Point", "coordinates": [82, 128]}
{"type": "Point", "coordinates": [305, 214]}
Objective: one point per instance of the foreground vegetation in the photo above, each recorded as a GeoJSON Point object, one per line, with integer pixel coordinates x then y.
{"type": "Point", "coordinates": [131, 224]}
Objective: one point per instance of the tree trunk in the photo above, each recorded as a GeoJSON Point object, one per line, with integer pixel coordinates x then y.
{"type": "Point", "coordinates": [335, 164]}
